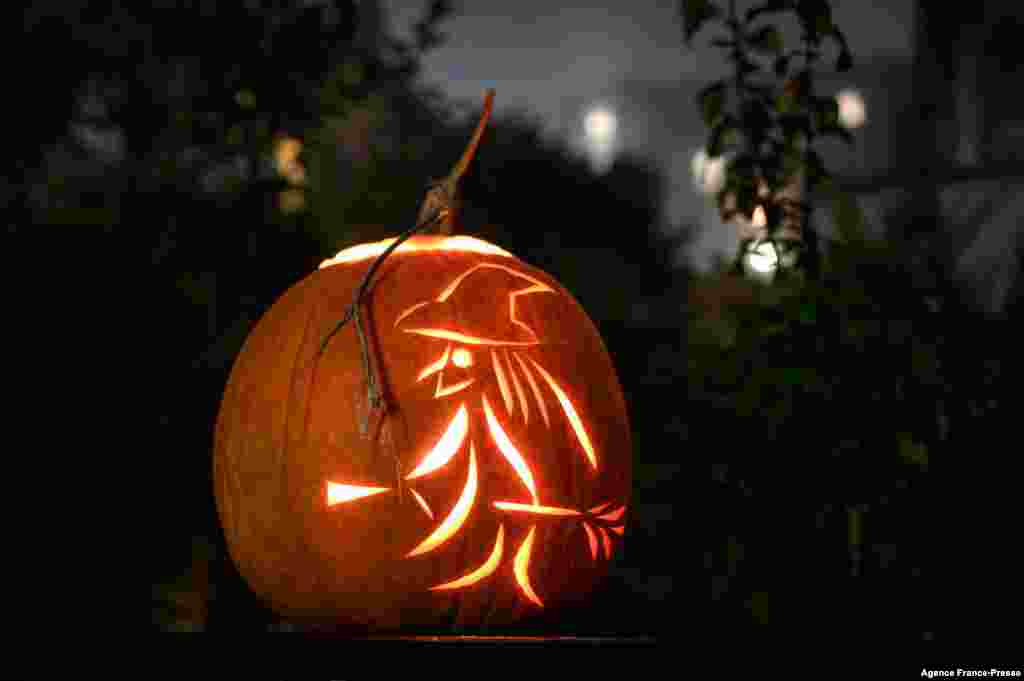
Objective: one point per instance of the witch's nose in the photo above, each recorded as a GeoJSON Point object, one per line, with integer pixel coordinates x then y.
{"type": "Point", "coordinates": [452, 370]}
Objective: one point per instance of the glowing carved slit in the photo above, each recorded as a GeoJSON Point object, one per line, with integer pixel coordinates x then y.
{"type": "Point", "coordinates": [422, 244]}
{"type": "Point", "coordinates": [436, 366]}
{"type": "Point", "coordinates": [446, 447]}
{"type": "Point", "coordinates": [521, 567]}
{"type": "Point", "coordinates": [613, 516]}
{"type": "Point", "coordinates": [410, 311]}
{"type": "Point", "coordinates": [618, 530]}
{"type": "Point", "coordinates": [422, 502]}
{"type": "Point", "coordinates": [600, 507]}
{"type": "Point", "coordinates": [607, 540]}
{"type": "Point", "coordinates": [519, 389]}
{"type": "Point", "coordinates": [463, 338]}
{"type": "Point", "coordinates": [533, 508]}
{"type": "Point", "coordinates": [570, 413]}
{"type": "Point", "coordinates": [538, 287]}
{"type": "Point", "coordinates": [592, 539]}
{"type": "Point", "coordinates": [458, 515]}
{"type": "Point", "coordinates": [506, 393]}
{"type": "Point", "coordinates": [536, 389]}
{"type": "Point", "coordinates": [448, 390]}
{"type": "Point", "coordinates": [339, 494]}
{"type": "Point", "coordinates": [509, 450]}
{"type": "Point", "coordinates": [485, 570]}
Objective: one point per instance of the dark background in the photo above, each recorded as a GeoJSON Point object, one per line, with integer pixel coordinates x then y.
{"type": "Point", "coordinates": [785, 457]}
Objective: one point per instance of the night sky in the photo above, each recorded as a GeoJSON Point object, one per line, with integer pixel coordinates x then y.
{"type": "Point", "coordinates": [555, 60]}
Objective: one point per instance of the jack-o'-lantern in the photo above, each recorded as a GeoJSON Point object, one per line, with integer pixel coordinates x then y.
{"type": "Point", "coordinates": [494, 484]}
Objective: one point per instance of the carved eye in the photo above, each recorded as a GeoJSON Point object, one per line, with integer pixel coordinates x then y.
{"type": "Point", "coordinates": [462, 358]}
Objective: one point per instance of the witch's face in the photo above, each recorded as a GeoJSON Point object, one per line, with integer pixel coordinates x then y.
{"type": "Point", "coordinates": [470, 342]}
{"type": "Point", "coordinates": [453, 368]}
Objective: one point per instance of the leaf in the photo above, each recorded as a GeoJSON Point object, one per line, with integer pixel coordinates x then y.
{"type": "Point", "coordinates": [816, 18]}
{"type": "Point", "coordinates": [913, 452]}
{"type": "Point", "coordinates": [815, 167]}
{"type": "Point", "coordinates": [766, 40]}
{"type": "Point", "coordinates": [781, 66]}
{"type": "Point", "coordinates": [756, 117]}
{"type": "Point", "coordinates": [746, 200]}
{"type": "Point", "coordinates": [768, 7]}
{"type": "Point", "coordinates": [695, 14]}
{"type": "Point", "coordinates": [847, 216]}
{"type": "Point", "coordinates": [797, 375]}
{"type": "Point", "coordinates": [794, 123]}
{"type": "Point", "coordinates": [840, 132]}
{"type": "Point", "coordinates": [844, 62]}
{"type": "Point", "coordinates": [711, 101]}
{"type": "Point", "coordinates": [746, 66]}
{"type": "Point", "coordinates": [716, 141]}
{"type": "Point", "coordinates": [826, 113]}
{"type": "Point", "coordinates": [808, 312]}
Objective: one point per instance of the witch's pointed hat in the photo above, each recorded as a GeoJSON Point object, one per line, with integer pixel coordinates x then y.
{"type": "Point", "coordinates": [478, 307]}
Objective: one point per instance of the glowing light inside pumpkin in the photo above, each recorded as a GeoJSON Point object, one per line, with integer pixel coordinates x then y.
{"type": "Point", "coordinates": [519, 390]}
{"type": "Point", "coordinates": [537, 287]}
{"type": "Point", "coordinates": [592, 539]}
{"type": "Point", "coordinates": [535, 388]}
{"type": "Point", "coordinates": [435, 367]}
{"type": "Point", "coordinates": [613, 515]}
{"type": "Point", "coordinates": [509, 450]}
{"type": "Point", "coordinates": [506, 392]}
{"type": "Point", "coordinates": [444, 450]}
{"type": "Point", "coordinates": [462, 358]}
{"type": "Point", "coordinates": [485, 570]}
{"type": "Point", "coordinates": [458, 514]}
{"type": "Point", "coordinates": [339, 494]}
{"type": "Point", "coordinates": [444, 391]}
{"type": "Point", "coordinates": [570, 413]}
{"type": "Point", "coordinates": [620, 530]}
{"type": "Point", "coordinates": [422, 502]}
{"type": "Point", "coordinates": [409, 311]}
{"type": "Point", "coordinates": [607, 541]}
{"type": "Point", "coordinates": [416, 244]}
{"type": "Point", "coordinates": [521, 566]}
{"type": "Point", "coordinates": [535, 509]}
{"type": "Point", "coordinates": [463, 338]}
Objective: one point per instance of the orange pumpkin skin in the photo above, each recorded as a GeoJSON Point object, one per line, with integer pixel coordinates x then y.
{"type": "Point", "coordinates": [471, 343]}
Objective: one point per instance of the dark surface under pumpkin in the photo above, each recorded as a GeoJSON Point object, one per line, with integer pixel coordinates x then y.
{"type": "Point", "coordinates": [469, 341]}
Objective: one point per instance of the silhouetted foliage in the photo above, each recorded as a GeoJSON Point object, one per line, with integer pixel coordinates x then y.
{"type": "Point", "coordinates": [822, 406]}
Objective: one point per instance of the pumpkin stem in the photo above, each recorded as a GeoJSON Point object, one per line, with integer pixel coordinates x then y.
{"type": "Point", "coordinates": [442, 196]}
{"type": "Point", "coordinates": [438, 207]}
{"type": "Point", "coordinates": [375, 392]}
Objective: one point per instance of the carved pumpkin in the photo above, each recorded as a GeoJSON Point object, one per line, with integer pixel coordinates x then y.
{"type": "Point", "coordinates": [496, 485]}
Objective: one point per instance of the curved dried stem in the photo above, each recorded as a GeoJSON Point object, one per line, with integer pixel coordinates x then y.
{"type": "Point", "coordinates": [375, 392]}
{"type": "Point", "coordinates": [438, 208]}
{"type": "Point", "coordinates": [442, 195]}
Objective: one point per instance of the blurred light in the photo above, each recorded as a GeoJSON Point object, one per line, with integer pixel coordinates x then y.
{"type": "Point", "coordinates": [600, 137]}
{"type": "Point", "coordinates": [600, 126]}
{"type": "Point", "coordinates": [291, 200]}
{"type": "Point", "coordinates": [708, 173]}
{"type": "Point", "coordinates": [759, 219]}
{"type": "Point", "coordinates": [286, 160]}
{"type": "Point", "coordinates": [761, 260]}
{"type": "Point", "coordinates": [852, 111]}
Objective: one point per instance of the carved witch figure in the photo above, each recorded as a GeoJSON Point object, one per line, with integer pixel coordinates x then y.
{"type": "Point", "coordinates": [490, 372]}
